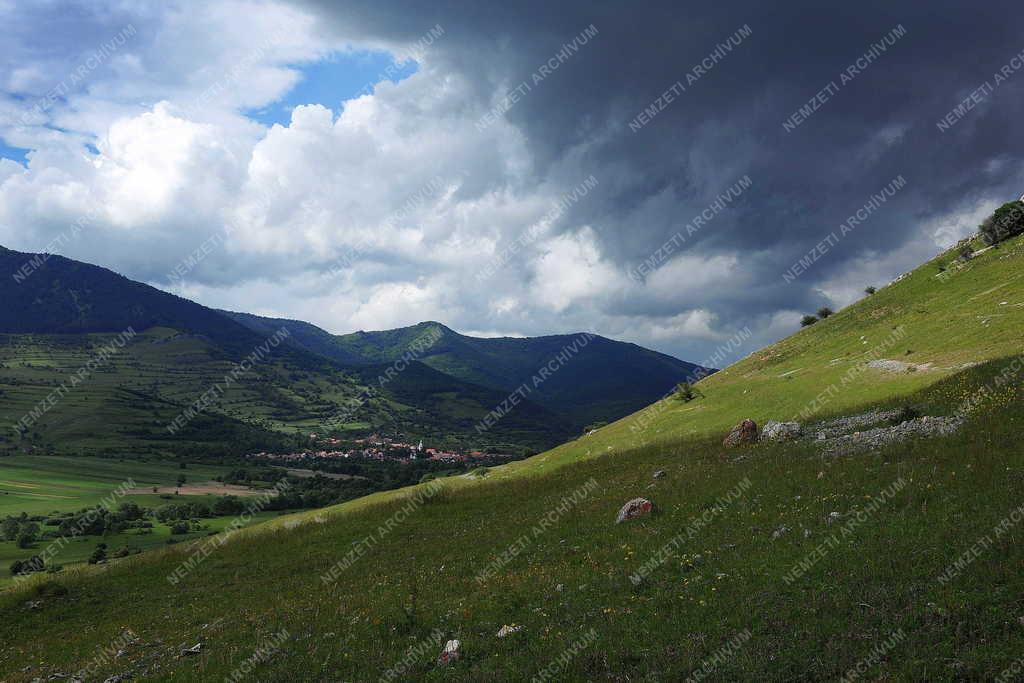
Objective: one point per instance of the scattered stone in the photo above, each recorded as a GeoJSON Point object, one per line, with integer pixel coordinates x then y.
{"type": "Point", "coordinates": [638, 507]}
{"type": "Point", "coordinates": [780, 532]}
{"type": "Point", "coordinates": [834, 517]}
{"type": "Point", "coordinates": [559, 588]}
{"type": "Point", "coordinates": [807, 533]}
{"type": "Point", "coordinates": [191, 651]}
{"type": "Point", "coordinates": [845, 425]}
{"type": "Point", "coordinates": [507, 630]}
{"type": "Point", "coordinates": [451, 653]}
{"type": "Point", "coordinates": [884, 436]}
{"type": "Point", "coordinates": [743, 433]}
{"type": "Point", "coordinates": [659, 474]}
{"type": "Point", "coordinates": [897, 365]}
{"type": "Point", "coordinates": [781, 431]}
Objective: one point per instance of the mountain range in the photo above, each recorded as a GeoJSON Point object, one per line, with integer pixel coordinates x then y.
{"type": "Point", "coordinates": [54, 311]}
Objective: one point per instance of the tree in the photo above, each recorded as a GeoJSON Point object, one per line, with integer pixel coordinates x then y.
{"type": "Point", "coordinates": [180, 527]}
{"type": "Point", "coordinates": [181, 480]}
{"type": "Point", "coordinates": [687, 392]}
{"type": "Point", "coordinates": [9, 528]}
{"type": "Point", "coordinates": [1006, 222]}
{"type": "Point", "coordinates": [870, 290]}
{"type": "Point", "coordinates": [808, 320]}
{"type": "Point", "coordinates": [227, 505]}
{"type": "Point", "coordinates": [26, 539]}
{"type": "Point", "coordinates": [99, 554]}
{"type": "Point", "coordinates": [825, 312]}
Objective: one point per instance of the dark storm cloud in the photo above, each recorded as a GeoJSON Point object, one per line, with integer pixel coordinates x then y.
{"type": "Point", "coordinates": [876, 119]}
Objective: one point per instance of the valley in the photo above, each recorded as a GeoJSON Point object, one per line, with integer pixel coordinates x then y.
{"type": "Point", "coordinates": [735, 552]}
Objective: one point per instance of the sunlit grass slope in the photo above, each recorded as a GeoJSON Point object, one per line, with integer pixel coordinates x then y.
{"type": "Point", "coordinates": [570, 581]}
{"type": "Point", "coordinates": [972, 313]}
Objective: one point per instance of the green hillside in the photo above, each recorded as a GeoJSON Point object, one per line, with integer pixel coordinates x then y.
{"type": "Point", "coordinates": [122, 360]}
{"type": "Point", "coordinates": [769, 562]}
{"type": "Point", "coordinates": [137, 392]}
{"type": "Point", "coordinates": [604, 380]}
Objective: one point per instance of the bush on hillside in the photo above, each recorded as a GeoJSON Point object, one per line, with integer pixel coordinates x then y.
{"type": "Point", "coordinates": [687, 392]}
{"type": "Point", "coordinates": [870, 290]}
{"type": "Point", "coordinates": [32, 564]}
{"type": "Point", "coordinates": [825, 312]}
{"type": "Point", "coordinates": [1006, 222]}
{"type": "Point", "coordinates": [808, 320]}
{"type": "Point", "coordinates": [99, 554]}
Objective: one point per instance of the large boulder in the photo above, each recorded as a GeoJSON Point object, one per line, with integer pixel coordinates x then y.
{"type": "Point", "coordinates": [781, 431]}
{"type": "Point", "coordinates": [743, 433]}
{"type": "Point", "coordinates": [638, 507]}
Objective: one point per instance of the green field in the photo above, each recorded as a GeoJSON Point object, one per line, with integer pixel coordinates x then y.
{"type": "Point", "coordinates": [79, 549]}
{"type": "Point", "coordinates": [39, 484]}
{"type": "Point", "coordinates": [876, 566]}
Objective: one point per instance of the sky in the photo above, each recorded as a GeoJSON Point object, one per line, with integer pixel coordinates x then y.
{"type": "Point", "coordinates": [672, 174]}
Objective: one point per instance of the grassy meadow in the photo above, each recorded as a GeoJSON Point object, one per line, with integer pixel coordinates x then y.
{"type": "Point", "coordinates": [876, 565]}
{"type": "Point", "coordinates": [812, 567]}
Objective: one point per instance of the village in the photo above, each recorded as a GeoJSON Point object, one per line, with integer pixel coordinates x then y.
{"type": "Point", "coordinates": [377, 447]}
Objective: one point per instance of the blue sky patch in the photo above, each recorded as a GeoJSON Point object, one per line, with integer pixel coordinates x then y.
{"type": "Point", "coordinates": [13, 153]}
{"type": "Point", "coordinates": [340, 77]}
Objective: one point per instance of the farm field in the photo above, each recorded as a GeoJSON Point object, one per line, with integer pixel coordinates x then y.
{"type": "Point", "coordinates": [40, 484]}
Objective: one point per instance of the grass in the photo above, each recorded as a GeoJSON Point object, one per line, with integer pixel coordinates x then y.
{"type": "Point", "coordinates": [948, 322]}
{"type": "Point", "coordinates": [727, 579]}
{"type": "Point", "coordinates": [79, 549]}
{"type": "Point", "coordinates": [414, 578]}
{"type": "Point", "coordinates": [40, 484]}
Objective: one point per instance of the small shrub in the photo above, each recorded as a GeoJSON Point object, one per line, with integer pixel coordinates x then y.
{"type": "Point", "coordinates": [99, 554]}
{"type": "Point", "coordinates": [825, 312]}
{"type": "Point", "coordinates": [870, 290]}
{"type": "Point", "coordinates": [687, 392]}
{"type": "Point", "coordinates": [179, 527]}
{"type": "Point", "coordinates": [808, 320]}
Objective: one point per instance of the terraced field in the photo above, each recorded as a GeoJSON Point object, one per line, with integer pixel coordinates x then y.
{"type": "Point", "coordinates": [134, 395]}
